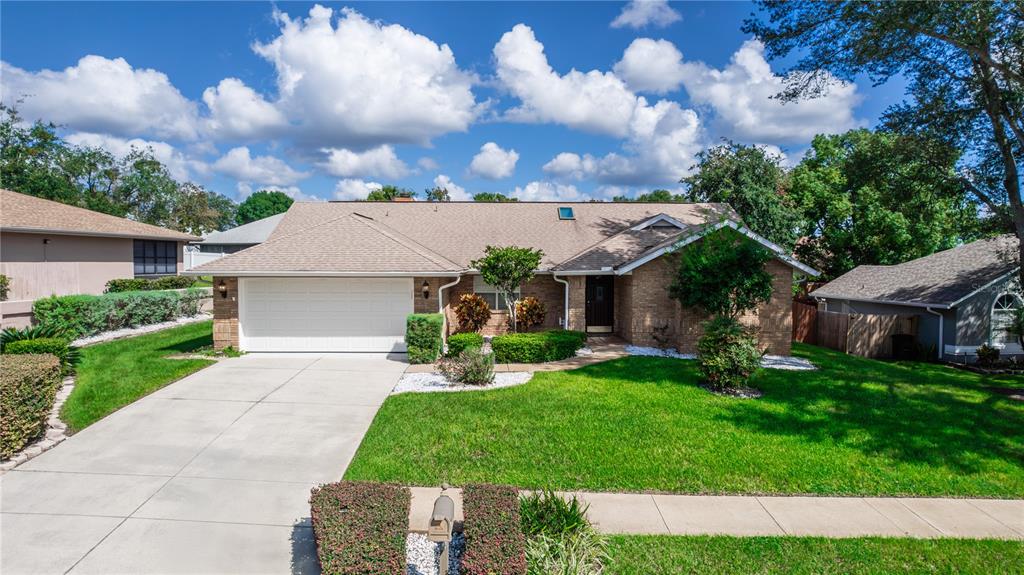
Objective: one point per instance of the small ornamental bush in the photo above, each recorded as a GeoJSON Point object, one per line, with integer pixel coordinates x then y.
{"type": "Point", "coordinates": [530, 311]}
{"type": "Point", "coordinates": [460, 341]}
{"type": "Point", "coordinates": [537, 347]}
{"type": "Point", "coordinates": [727, 353]}
{"type": "Point", "coordinates": [471, 366]}
{"type": "Point", "coordinates": [83, 315]}
{"type": "Point", "coordinates": [55, 346]}
{"type": "Point", "coordinates": [494, 539]}
{"type": "Point", "coordinates": [987, 355]}
{"type": "Point", "coordinates": [360, 527]}
{"type": "Point", "coordinates": [172, 282]}
{"type": "Point", "coordinates": [144, 284]}
{"type": "Point", "coordinates": [28, 387]}
{"type": "Point", "coordinates": [582, 552]}
{"type": "Point", "coordinates": [472, 312]}
{"type": "Point", "coordinates": [424, 337]}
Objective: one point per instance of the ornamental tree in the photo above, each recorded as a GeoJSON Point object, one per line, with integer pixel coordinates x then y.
{"type": "Point", "coordinates": [507, 268]}
{"type": "Point", "coordinates": [723, 275]}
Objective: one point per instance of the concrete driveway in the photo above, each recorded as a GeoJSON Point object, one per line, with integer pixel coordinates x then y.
{"type": "Point", "coordinates": [209, 475]}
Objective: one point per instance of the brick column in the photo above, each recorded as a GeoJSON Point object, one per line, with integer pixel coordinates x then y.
{"type": "Point", "coordinates": [225, 313]}
{"type": "Point", "coordinates": [577, 303]}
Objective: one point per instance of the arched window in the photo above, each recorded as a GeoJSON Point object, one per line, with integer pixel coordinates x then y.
{"type": "Point", "coordinates": [1003, 310]}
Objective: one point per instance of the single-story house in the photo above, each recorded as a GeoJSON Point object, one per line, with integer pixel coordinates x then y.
{"type": "Point", "coordinates": [963, 297]}
{"type": "Point", "coordinates": [343, 276]}
{"type": "Point", "coordinates": [49, 248]}
{"type": "Point", "coordinates": [219, 244]}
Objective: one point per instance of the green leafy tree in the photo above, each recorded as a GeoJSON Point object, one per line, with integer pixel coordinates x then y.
{"type": "Point", "coordinates": [963, 64]}
{"type": "Point", "coordinates": [655, 196]}
{"type": "Point", "coordinates": [750, 180]}
{"type": "Point", "coordinates": [878, 198]}
{"type": "Point", "coordinates": [389, 193]}
{"type": "Point", "coordinates": [507, 268]}
{"type": "Point", "coordinates": [493, 197]}
{"type": "Point", "coordinates": [199, 211]}
{"type": "Point", "coordinates": [263, 204]}
{"type": "Point", "coordinates": [437, 194]}
{"type": "Point", "coordinates": [226, 211]}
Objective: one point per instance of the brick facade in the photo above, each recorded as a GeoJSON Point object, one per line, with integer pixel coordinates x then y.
{"type": "Point", "coordinates": [542, 287]}
{"type": "Point", "coordinates": [225, 313]}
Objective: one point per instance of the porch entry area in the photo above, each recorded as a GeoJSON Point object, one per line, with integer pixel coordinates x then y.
{"type": "Point", "coordinates": [600, 304]}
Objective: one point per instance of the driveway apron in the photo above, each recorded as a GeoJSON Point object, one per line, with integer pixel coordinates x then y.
{"type": "Point", "coordinates": [210, 474]}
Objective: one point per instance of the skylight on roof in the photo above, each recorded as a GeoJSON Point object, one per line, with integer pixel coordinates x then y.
{"type": "Point", "coordinates": [565, 213]}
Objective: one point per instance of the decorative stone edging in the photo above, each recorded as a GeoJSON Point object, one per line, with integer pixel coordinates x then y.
{"type": "Point", "coordinates": [56, 430]}
{"type": "Point", "coordinates": [133, 331]}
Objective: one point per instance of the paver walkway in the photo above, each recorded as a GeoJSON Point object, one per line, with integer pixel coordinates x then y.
{"type": "Point", "coordinates": [635, 513]}
{"type": "Point", "coordinates": [210, 474]}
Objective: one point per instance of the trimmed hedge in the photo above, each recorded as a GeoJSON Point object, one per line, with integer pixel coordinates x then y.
{"type": "Point", "coordinates": [494, 537]}
{"type": "Point", "coordinates": [459, 342]}
{"type": "Point", "coordinates": [83, 315]}
{"type": "Point", "coordinates": [144, 284]}
{"type": "Point", "coordinates": [537, 347]}
{"type": "Point", "coordinates": [28, 387]}
{"type": "Point", "coordinates": [424, 336]}
{"type": "Point", "coordinates": [52, 345]}
{"type": "Point", "coordinates": [360, 527]}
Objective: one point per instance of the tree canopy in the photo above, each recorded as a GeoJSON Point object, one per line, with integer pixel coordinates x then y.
{"type": "Point", "coordinates": [389, 193]}
{"type": "Point", "coordinates": [506, 268]}
{"type": "Point", "coordinates": [723, 274]}
{"type": "Point", "coordinates": [493, 197]}
{"type": "Point", "coordinates": [655, 196]}
{"type": "Point", "coordinates": [437, 194]}
{"type": "Point", "coordinates": [263, 204]}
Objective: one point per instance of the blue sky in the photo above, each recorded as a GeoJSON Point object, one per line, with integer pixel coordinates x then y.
{"type": "Point", "coordinates": [539, 100]}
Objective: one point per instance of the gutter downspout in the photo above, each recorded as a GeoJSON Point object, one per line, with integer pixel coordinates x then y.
{"type": "Point", "coordinates": [565, 324]}
{"type": "Point", "coordinates": [941, 352]}
{"type": "Point", "coordinates": [440, 304]}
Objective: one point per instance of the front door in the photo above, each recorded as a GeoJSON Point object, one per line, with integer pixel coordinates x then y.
{"type": "Point", "coordinates": [600, 303]}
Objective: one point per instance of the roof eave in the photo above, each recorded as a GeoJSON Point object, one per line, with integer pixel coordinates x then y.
{"type": "Point", "coordinates": [58, 232]}
{"type": "Point", "coordinates": [308, 273]}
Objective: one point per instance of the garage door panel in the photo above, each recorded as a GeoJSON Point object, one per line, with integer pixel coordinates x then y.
{"type": "Point", "coordinates": [324, 314]}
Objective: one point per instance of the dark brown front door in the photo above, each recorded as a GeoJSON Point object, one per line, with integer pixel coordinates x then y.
{"type": "Point", "coordinates": [600, 303]}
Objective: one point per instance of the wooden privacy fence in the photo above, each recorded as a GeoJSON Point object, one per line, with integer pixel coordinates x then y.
{"type": "Point", "coordinates": [804, 322]}
{"type": "Point", "coordinates": [866, 335]}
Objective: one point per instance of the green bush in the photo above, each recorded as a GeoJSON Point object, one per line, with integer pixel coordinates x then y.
{"type": "Point", "coordinates": [172, 282]}
{"type": "Point", "coordinates": [494, 539]}
{"type": "Point", "coordinates": [33, 332]}
{"type": "Point", "coordinates": [537, 347]}
{"type": "Point", "coordinates": [144, 284]}
{"type": "Point", "coordinates": [546, 512]}
{"type": "Point", "coordinates": [461, 341]}
{"type": "Point", "coordinates": [360, 527]}
{"type": "Point", "coordinates": [471, 366]}
{"type": "Point", "coordinates": [5, 287]}
{"type": "Point", "coordinates": [127, 284]}
{"type": "Point", "coordinates": [987, 355]}
{"type": "Point", "coordinates": [423, 336]}
{"type": "Point", "coordinates": [727, 353]}
{"type": "Point", "coordinates": [28, 387]}
{"type": "Point", "coordinates": [84, 315]}
{"type": "Point", "coordinates": [56, 346]}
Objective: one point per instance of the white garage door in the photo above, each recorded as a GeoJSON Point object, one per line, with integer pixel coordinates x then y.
{"type": "Point", "coordinates": [324, 314]}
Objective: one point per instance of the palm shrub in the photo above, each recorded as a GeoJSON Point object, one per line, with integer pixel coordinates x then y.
{"type": "Point", "coordinates": [40, 331]}
{"type": "Point", "coordinates": [471, 366]}
{"type": "Point", "coordinates": [472, 312]}
{"type": "Point", "coordinates": [530, 311]}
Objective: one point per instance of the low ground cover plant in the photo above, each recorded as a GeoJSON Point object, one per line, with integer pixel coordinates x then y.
{"type": "Point", "coordinates": [460, 341]}
{"type": "Point", "coordinates": [472, 312]}
{"type": "Point", "coordinates": [472, 367]}
{"type": "Point", "coordinates": [28, 387]}
{"type": "Point", "coordinates": [145, 284]}
{"type": "Point", "coordinates": [545, 512]}
{"type": "Point", "coordinates": [537, 347]}
{"type": "Point", "coordinates": [83, 315]}
{"type": "Point", "coordinates": [424, 337]}
{"type": "Point", "coordinates": [560, 539]}
{"type": "Point", "coordinates": [494, 539]}
{"type": "Point", "coordinates": [360, 527]}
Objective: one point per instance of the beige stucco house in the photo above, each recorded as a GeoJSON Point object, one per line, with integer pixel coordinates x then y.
{"type": "Point", "coordinates": [49, 248]}
{"type": "Point", "coordinates": [343, 276]}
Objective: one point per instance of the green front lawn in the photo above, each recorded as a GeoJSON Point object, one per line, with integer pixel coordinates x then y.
{"type": "Point", "coordinates": [854, 427]}
{"type": "Point", "coordinates": [114, 374]}
{"type": "Point", "coordinates": [664, 555]}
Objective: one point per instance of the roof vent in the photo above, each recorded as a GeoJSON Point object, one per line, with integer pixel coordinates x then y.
{"type": "Point", "coordinates": [565, 213]}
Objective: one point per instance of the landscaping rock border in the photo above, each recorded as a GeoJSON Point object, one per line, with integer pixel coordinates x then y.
{"type": "Point", "coordinates": [769, 361]}
{"type": "Point", "coordinates": [133, 331]}
{"type": "Point", "coordinates": [56, 431]}
{"type": "Point", "coordinates": [435, 382]}
{"type": "Point", "coordinates": [423, 555]}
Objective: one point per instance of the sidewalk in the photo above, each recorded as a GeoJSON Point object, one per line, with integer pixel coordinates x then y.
{"type": "Point", "coordinates": [637, 513]}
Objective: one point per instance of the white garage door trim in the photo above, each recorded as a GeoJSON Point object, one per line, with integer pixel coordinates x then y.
{"type": "Point", "coordinates": [323, 314]}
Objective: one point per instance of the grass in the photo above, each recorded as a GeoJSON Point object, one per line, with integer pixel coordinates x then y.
{"type": "Point", "coordinates": [663, 555]}
{"type": "Point", "coordinates": [854, 427]}
{"type": "Point", "coordinates": [113, 374]}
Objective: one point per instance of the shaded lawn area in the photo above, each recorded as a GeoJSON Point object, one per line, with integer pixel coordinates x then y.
{"type": "Point", "coordinates": [113, 374]}
{"type": "Point", "coordinates": [663, 555]}
{"type": "Point", "coordinates": [854, 427]}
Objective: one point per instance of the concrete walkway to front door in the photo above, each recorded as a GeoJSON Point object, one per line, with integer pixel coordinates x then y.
{"type": "Point", "coordinates": [210, 474]}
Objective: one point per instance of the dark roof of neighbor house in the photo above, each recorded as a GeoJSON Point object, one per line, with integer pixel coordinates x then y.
{"type": "Point", "coordinates": [250, 234]}
{"type": "Point", "coordinates": [29, 214]}
{"type": "Point", "coordinates": [397, 237]}
{"type": "Point", "coordinates": [942, 279]}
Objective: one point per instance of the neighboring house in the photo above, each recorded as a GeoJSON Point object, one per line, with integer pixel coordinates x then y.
{"type": "Point", "coordinates": [963, 297]}
{"type": "Point", "coordinates": [49, 248]}
{"type": "Point", "coordinates": [219, 244]}
{"type": "Point", "coordinates": [343, 276]}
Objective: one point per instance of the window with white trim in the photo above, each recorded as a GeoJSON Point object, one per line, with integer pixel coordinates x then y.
{"type": "Point", "coordinates": [495, 300]}
{"type": "Point", "coordinates": [1003, 310]}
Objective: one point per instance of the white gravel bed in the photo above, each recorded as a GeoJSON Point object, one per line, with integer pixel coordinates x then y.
{"type": "Point", "coordinates": [584, 351]}
{"type": "Point", "coordinates": [768, 361]}
{"type": "Point", "coordinates": [432, 382]}
{"type": "Point", "coordinates": [424, 556]}
{"type": "Point", "coordinates": [132, 331]}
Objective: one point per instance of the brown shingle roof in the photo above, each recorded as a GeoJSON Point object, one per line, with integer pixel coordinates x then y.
{"type": "Point", "coordinates": [940, 279]}
{"type": "Point", "coordinates": [621, 248]}
{"type": "Point", "coordinates": [24, 213]}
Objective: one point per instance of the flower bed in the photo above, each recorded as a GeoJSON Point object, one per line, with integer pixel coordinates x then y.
{"type": "Point", "coordinates": [360, 527]}
{"type": "Point", "coordinates": [494, 538]}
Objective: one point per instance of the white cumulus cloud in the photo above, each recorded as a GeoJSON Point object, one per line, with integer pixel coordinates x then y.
{"type": "Point", "coordinates": [455, 192]}
{"type": "Point", "coordinates": [375, 162]}
{"type": "Point", "coordinates": [354, 189]}
{"type": "Point", "coordinates": [104, 96]}
{"type": "Point", "coordinates": [570, 166]}
{"type": "Point", "coordinates": [540, 191]}
{"type": "Point", "coordinates": [654, 66]}
{"type": "Point", "coordinates": [427, 163]}
{"type": "Point", "coordinates": [493, 162]}
{"type": "Point", "coordinates": [237, 111]}
{"type": "Point", "coordinates": [266, 171]}
{"type": "Point", "coordinates": [641, 13]}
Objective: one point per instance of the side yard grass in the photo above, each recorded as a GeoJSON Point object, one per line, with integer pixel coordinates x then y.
{"type": "Point", "coordinates": [854, 427]}
{"type": "Point", "coordinates": [113, 374]}
{"type": "Point", "coordinates": [664, 555]}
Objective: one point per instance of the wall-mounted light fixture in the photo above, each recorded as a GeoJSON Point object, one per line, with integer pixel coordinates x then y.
{"type": "Point", "coordinates": [223, 289]}
{"type": "Point", "coordinates": [425, 290]}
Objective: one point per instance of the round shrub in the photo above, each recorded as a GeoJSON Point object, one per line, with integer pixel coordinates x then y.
{"type": "Point", "coordinates": [461, 341]}
{"type": "Point", "coordinates": [530, 311]}
{"type": "Point", "coordinates": [472, 312]}
{"type": "Point", "coordinates": [727, 354]}
{"type": "Point", "coordinates": [471, 366]}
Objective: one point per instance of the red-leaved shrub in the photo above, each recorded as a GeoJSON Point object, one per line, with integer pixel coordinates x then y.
{"type": "Point", "coordinates": [495, 544]}
{"type": "Point", "coordinates": [360, 527]}
{"type": "Point", "coordinates": [530, 311]}
{"type": "Point", "coordinates": [472, 312]}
